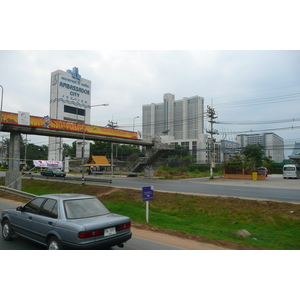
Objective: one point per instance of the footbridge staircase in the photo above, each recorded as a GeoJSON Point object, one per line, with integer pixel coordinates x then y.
{"type": "Point", "coordinates": [152, 155]}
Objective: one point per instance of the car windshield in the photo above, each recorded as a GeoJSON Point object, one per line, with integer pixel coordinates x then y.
{"type": "Point", "coordinates": [289, 168]}
{"type": "Point", "coordinates": [54, 170]}
{"type": "Point", "coordinates": [84, 208]}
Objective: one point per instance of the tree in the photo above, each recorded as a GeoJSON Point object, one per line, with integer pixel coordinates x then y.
{"type": "Point", "coordinates": [236, 163]}
{"type": "Point", "coordinates": [99, 148]}
{"type": "Point", "coordinates": [176, 161]}
{"type": "Point", "coordinates": [179, 151]}
{"type": "Point", "coordinates": [36, 152]}
{"type": "Point", "coordinates": [252, 158]}
{"type": "Point", "coordinates": [69, 150]}
{"type": "Point", "coordinates": [123, 152]}
{"type": "Point", "coordinates": [253, 155]}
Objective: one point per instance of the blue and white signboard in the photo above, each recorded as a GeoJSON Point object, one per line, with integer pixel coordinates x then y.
{"type": "Point", "coordinates": [147, 193]}
{"type": "Point", "coordinates": [229, 147]}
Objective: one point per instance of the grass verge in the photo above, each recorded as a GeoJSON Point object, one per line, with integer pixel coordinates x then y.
{"type": "Point", "coordinates": [273, 225]}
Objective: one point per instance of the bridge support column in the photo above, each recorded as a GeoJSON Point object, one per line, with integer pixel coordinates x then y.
{"type": "Point", "coordinates": [13, 177]}
{"type": "Point", "coordinates": [148, 170]}
{"type": "Point", "coordinates": [148, 151]}
{"type": "Point", "coordinates": [67, 160]}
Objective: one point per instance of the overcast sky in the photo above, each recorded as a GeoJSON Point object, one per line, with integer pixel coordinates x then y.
{"type": "Point", "coordinates": [252, 86]}
{"type": "Point", "coordinates": [242, 86]}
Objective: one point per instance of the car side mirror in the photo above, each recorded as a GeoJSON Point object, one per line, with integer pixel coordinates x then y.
{"type": "Point", "coordinates": [19, 208]}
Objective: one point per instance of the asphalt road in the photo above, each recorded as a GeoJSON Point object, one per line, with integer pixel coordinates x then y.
{"type": "Point", "coordinates": [273, 188]}
{"type": "Point", "coordinates": [134, 243]}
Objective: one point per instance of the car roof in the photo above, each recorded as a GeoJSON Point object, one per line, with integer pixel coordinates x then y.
{"type": "Point", "coordinates": [66, 196]}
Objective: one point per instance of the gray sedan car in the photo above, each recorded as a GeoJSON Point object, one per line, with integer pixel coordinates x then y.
{"type": "Point", "coordinates": [62, 221]}
{"type": "Point", "coordinates": [53, 173]}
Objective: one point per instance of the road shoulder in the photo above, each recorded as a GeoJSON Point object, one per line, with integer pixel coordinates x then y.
{"type": "Point", "coordinates": [173, 240]}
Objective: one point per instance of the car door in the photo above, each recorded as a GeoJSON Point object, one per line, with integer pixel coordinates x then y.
{"type": "Point", "coordinates": [45, 220]}
{"type": "Point", "coordinates": [47, 173]}
{"type": "Point", "coordinates": [22, 220]}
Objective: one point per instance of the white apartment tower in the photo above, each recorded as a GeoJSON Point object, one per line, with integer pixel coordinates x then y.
{"type": "Point", "coordinates": [178, 122]}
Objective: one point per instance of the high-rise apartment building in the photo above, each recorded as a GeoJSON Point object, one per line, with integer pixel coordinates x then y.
{"type": "Point", "coordinates": [272, 143]}
{"type": "Point", "coordinates": [178, 122]}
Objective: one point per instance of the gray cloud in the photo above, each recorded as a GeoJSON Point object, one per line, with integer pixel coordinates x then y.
{"type": "Point", "coordinates": [128, 79]}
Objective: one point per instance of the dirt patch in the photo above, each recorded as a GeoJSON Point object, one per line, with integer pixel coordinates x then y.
{"type": "Point", "coordinates": [188, 241]}
{"type": "Point", "coordinates": [99, 195]}
{"type": "Point", "coordinates": [8, 196]}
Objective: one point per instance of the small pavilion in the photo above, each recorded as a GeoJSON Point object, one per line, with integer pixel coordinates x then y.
{"type": "Point", "coordinates": [97, 163]}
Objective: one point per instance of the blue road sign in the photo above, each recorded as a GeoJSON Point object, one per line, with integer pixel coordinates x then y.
{"type": "Point", "coordinates": [147, 193]}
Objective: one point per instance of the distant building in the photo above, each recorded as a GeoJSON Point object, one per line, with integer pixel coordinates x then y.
{"type": "Point", "coordinates": [70, 100]}
{"type": "Point", "coordinates": [272, 143]}
{"type": "Point", "coordinates": [179, 122]}
{"type": "Point", "coordinates": [295, 156]}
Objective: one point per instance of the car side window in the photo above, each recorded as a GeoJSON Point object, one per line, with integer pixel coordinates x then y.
{"type": "Point", "coordinates": [49, 209]}
{"type": "Point", "coordinates": [34, 205]}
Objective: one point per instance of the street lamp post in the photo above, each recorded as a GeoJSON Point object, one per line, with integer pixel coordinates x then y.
{"type": "Point", "coordinates": [134, 122]}
{"type": "Point", "coordinates": [1, 107]}
{"type": "Point", "coordinates": [83, 141]}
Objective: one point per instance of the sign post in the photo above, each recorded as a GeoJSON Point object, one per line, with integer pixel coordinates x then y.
{"type": "Point", "coordinates": [147, 195]}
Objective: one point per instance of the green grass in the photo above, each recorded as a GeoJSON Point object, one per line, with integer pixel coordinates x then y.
{"type": "Point", "coordinates": [265, 233]}
{"type": "Point", "coordinates": [44, 187]}
{"type": "Point", "coordinates": [271, 224]}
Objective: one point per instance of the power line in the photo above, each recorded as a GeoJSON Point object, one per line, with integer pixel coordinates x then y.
{"type": "Point", "coordinates": [265, 130]}
{"type": "Point", "coordinates": [259, 122]}
{"type": "Point", "coordinates": [260, 101]}
{"type": "Point", "coordinates": [258, 91]}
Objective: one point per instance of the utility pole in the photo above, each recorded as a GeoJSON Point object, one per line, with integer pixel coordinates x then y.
{"type": "Point", "coordinates": [112, 125]}
{"type": "Point", "coordinates": [26, 143]}
{"type": "Point", "coordinates": [211, 119]}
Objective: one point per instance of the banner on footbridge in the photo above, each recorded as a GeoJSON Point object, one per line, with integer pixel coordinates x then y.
{"type": "Point", "coordinates": [24, 119]}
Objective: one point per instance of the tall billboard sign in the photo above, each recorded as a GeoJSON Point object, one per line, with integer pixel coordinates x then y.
{"type": "Point", "coordinates": [70, 96]}
{"type": "Point", "coordinates": [70, 100]}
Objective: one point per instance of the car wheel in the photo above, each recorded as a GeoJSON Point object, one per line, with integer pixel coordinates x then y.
{"type": "Point", "coordinates": [7, 231]}
{"type": "Point", "coordinates": [54, 244]}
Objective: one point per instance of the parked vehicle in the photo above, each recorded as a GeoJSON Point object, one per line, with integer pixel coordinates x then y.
{"type": "Point", "coordinates": [53, 172]}
{"type": "Point", "coordinates": [262, 171]}
{"type": "Point", "coordinates": [291, 171]}
{"type": "Point", "coordinates": [60, 221]}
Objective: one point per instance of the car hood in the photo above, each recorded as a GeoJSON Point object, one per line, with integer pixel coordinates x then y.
{"type": "Point", "coordinates": [105, 221]}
